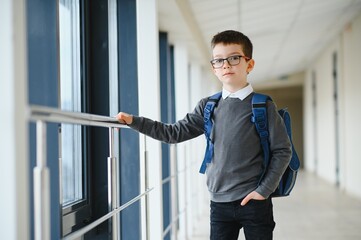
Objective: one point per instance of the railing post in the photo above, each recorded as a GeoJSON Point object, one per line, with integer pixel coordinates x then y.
{"type": "Point", "coordinates": [174, 191]}
{"type": "Point", "coordinates": [41, 186]}
{"type": "Point", "coordinates": [113, 196]}
{"type": "Point", "coordinates": [146, 185]}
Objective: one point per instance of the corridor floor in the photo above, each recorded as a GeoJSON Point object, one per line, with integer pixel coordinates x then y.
{"type": "Point", "coordinates": [316, 210]}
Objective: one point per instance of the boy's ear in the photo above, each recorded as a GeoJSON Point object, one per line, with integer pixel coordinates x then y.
{"type": "Point", "coordinates": [250, 65]}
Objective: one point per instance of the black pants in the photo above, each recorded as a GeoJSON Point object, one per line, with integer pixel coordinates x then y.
{"type": "Point", "coordinates": [256, 219]}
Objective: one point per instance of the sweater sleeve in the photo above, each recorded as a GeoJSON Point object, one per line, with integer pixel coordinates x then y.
{"type": "Point", "coordinates": [280, 151]}
{"type": "Point", "coordinates": [189, 127]}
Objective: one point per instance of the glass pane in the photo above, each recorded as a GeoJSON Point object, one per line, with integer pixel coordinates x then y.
{"type": "Point", "coordinates": [70, 98]}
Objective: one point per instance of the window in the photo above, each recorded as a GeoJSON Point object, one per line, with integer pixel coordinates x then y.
{"type": "Point", "coordinates": [74, 199]}
{"type": "Point", "coordinates": [70, 100]}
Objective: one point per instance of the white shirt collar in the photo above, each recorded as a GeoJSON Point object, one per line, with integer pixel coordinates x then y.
{"type": "Point", "coordinates": [241, 94]}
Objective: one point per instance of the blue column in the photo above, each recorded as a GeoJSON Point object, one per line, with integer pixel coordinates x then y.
{"type": "Point", "coordinates": [43, 90]}
{"type": "Point", "coordinates": [128, 102]}
{"type": "Point", "coordinates": [167, 115]}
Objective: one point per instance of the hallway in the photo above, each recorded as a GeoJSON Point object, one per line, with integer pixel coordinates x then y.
{"type": "Point", "coordinates": [69, 66]}
{"type": "Point", "coordinates": [316, 210]}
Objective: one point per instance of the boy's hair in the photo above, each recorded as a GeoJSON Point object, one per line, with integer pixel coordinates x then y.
{"type": "Point", "coordinates": [233, 37]}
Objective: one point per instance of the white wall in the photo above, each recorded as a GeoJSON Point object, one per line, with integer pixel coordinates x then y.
{"type": "Point", "coordinates": [320, 135]}
{"type": "Point", "coordinates": [149, 106]}
{"type": "Point", "coordinates": [182, 97]}
{"type": "Point", "coordinates": [14, 167]}
{"type": "Point", "coordinates": [325, 154]}
{"type": "Point", "coordinates": [351, 44]}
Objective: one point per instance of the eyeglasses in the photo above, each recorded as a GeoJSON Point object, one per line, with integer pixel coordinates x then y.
{"type": "Point", "coordinates": [232, 60]}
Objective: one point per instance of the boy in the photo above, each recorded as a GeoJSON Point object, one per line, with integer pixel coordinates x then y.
{"type": "Point", "coordinates": [238, 199]}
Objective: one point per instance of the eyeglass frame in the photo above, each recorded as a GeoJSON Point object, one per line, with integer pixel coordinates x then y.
{"type": "Point", "coordinates": [223, 59]}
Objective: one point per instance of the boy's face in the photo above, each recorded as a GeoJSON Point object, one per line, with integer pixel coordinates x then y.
{"type": "Point", "coordinates": [233, 77]}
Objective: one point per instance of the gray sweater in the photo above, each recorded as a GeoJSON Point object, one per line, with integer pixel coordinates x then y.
{"type": "Point", "coordinates": [237, 161]}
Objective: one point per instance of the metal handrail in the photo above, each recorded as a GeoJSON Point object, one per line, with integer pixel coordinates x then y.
{"type": "Point", "coordinates": [56, 115]}
{"type": "Point", "coordinates": [41, 115]}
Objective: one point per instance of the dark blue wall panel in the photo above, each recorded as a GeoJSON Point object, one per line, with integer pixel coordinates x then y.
{"type": "Point", "coordinates": [167, 95]}
{"type": "Point", "coordinates": [171, 85]}
{"type": "Point", "coordinates": [128, 102]}
{"type": "Point", "coordinates": [43, 90]}
{"type": "Point", "coordinates": [165, 107]}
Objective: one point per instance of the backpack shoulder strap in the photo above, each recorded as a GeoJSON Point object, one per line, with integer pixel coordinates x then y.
{"type": "Point", "coordinates": [208, 111]}
{"type": "Point", "coordinates": [208, 124]}
{"type": "Point", "coordinates": [259, 118]}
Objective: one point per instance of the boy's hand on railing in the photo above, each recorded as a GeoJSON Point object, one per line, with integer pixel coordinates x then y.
{"type": "Point", "coordinates": [124, 118]}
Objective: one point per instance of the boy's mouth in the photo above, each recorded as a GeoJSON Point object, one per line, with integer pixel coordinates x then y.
{"type": "Point", "coordinates": [227, 73]}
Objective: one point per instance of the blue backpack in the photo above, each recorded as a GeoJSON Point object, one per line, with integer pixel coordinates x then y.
{"type": "Point", "coordinates": [259, 118]}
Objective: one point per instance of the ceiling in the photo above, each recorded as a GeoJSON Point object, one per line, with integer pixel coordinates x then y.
{"type": "Point", "coordinates": [286, 34]}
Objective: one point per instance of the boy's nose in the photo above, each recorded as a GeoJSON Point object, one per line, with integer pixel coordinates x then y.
{"type": "Point", "coordinates": [226, 64]}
